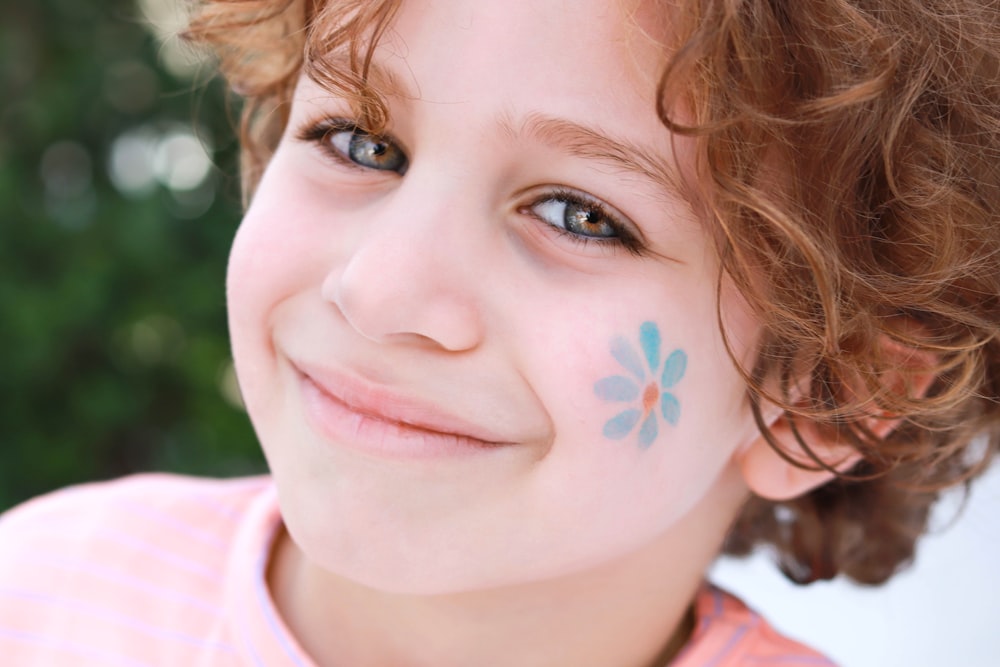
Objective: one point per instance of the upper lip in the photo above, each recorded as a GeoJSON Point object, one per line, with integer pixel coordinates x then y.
{"type": "Point", "coordinates": [379, 402]}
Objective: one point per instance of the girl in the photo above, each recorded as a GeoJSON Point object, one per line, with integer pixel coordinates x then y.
{"type": "Point", "coordinates": [536, 308]}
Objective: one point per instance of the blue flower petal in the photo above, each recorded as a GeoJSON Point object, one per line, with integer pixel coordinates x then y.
{"type": "Point", "coordinates": [616, 388]}
{"type": "Point", "coordinates": [621, 424]}
{"type": "Point", "coordinates": [649, 338]}
{"type": "Point", "coordinates": [670, 408]}
{"type": "Point", "coordinates": [626, 356]}
{"type": "Point", "coordinates": [674, 369]}
{"type": "Point", "coordinates": [647, 434]}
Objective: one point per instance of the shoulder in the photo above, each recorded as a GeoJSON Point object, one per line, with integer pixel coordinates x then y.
{"type": "Point", "coordinates": [138, 521]}
{"type": "Point", "coordinates": [114, 568]}
{"type": "Point", "coordinates": [730, 634]}
{"type": "Point", "coordinates": [161, 505]}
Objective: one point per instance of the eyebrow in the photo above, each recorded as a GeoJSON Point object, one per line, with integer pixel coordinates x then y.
{"type": "Point", "coordinates": [590, 143]}
{"type": "Point", "coordinates": [581, 141]}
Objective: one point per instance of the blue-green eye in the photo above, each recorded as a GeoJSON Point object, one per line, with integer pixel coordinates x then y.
{"type": "Point", "coordinates": [368, 150]}
{"type": "Point", "coordinates": [583, 219]}
{"type": "Point", "coordinates": [347, 143]}
{"type": "Point", "coordinates": [577, 218]}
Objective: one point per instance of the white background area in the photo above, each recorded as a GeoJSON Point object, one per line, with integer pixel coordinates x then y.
{"type": "Point", "coordinates": [942, 612]}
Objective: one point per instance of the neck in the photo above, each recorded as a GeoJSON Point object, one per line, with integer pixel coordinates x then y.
{"type": "Point", "coordinates": [634, 611]}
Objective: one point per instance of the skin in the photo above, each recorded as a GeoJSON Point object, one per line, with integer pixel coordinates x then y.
{"type": "Point", "coordinates": [443, 293]}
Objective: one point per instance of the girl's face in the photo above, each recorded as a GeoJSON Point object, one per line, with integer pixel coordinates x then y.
{"type": "Point", "coordinates": [483, 349]}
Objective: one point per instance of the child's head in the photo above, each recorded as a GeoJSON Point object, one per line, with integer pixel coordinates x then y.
{"type": "Point", "coordinates": [641, 257]}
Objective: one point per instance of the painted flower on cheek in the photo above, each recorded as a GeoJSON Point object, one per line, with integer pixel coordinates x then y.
{"type": "Point", "coordinates": [645, 387]}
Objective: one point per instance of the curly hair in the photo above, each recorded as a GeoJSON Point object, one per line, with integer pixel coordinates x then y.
{"type": "Point", "coordinates": [848, 157]}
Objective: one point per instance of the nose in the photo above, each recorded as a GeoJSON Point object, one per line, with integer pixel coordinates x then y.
{"type": "Point", "coordinates": [411, 274]}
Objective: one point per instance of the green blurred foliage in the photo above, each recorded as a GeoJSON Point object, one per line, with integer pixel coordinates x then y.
{"type": "Point", "coordinates": [113, 237]}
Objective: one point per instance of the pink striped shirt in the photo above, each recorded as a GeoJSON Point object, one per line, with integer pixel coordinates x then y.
{"type": "Point", "coordinates": [167, 570]}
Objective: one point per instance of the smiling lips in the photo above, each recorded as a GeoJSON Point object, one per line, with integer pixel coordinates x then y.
{"type": "Point", "coordinates": [376, 420]}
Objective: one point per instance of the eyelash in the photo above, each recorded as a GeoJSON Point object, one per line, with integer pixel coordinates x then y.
{"type": "Point", "coordinates": [319, 133]}
{"type": "Point", "coordinates": [623, 238]}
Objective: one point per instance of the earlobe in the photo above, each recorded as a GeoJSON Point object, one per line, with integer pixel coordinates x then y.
{"type": "Point", "coordinates": [774, 476]}
{"type": "Point", "coordinates": [791, 472]}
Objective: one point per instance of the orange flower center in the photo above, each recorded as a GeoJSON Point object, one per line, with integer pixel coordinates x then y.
{"type": "Point", "coordinates": [649, 397]}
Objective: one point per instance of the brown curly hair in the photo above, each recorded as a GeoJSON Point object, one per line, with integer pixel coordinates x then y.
{"type": "Point", "coordinates": [849, 159]}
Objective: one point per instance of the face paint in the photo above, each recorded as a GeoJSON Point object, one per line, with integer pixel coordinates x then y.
{"type": "Point", "coordinates": [645, 388]}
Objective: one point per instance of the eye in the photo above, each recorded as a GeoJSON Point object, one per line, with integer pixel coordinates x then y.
{"type": "Point", "coordinates": [582, 219]}
{"type": "Point", "coordinates": [368, 150]}
{"type": "Point", "coordinates": [347, 143]}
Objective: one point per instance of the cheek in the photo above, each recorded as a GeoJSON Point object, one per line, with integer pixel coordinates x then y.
{"type": "Point", "coordinates": [279, 250]}
{"type": "Point", "coordinates": [273, 259]}
{"type": "Point", "coordinates": [265, 246]}
{"type": "Point", "coordinates": [653, 356]}
{"type": "Point", "coordinates": [644, 398]}
{"type": "Point", "coordinates": [254, 280]}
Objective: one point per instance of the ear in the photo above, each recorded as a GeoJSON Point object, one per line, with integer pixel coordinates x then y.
{"type": "Point", "coordinates": [792, 472]}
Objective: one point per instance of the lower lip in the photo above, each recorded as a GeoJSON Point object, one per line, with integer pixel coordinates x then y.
{"type": "Point", "coordinates": [337, 422]}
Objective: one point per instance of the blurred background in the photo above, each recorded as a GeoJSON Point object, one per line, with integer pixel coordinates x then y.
{"type": "Point", "coordinates": [118, 199]}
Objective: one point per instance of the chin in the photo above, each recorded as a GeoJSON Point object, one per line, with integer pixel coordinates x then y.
{"type": "Point", "coordinates": [420, 560]}
{"type": "Point", "coordinates": [411, 569]}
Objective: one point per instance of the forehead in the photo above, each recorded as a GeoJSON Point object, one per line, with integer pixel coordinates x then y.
{"type": "Point", "coordinates": [595, 45]}
{"type": "Point", "coordinates": [578, 76]}
{"type": "Point", "coordinates": [529, 65]}
{"type": "Point", "coordinates": [548, 43]}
